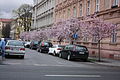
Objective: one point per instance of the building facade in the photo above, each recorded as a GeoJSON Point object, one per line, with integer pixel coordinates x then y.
{"type": "Point", "coordinates": [13, 29]}
{"type": "Point", "coordinates": [43, 13]}
{"type": "Point", "coordinates": [108, 10]}
{"type": "Point", "coordinates": [17, 27]}
{"type": "Point", "coordinates": [3, 25]}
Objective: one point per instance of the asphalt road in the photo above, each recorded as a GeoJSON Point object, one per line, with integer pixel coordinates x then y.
{"type": "Point", "coordinates": [41, 66]}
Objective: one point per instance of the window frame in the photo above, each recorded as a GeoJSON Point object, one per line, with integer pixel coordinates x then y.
{"type": "Point", "coordinates": [68, 11]}
{"type": "Point", "coordinates": [95, 39]}
{"type": "Point", "coordinates": [97, 5]}
{"type": "Point", "coordinates": [81, 9]}
{"type": "Point", "coordinates": [113, 37]}
{"type": "Point", "coordinates": [115, 2]}
{"type": "Point", "coordinates": [74, 11]}
{"type": "Point", "coordinates": [85, 39]}
{"type": "Point", "coordinates": [88, 7]}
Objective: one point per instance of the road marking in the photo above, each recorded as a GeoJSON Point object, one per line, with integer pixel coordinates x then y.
{"type": "Point", "coordinates": [46, 65]}
{"type": "Point", "coordinates": [83, 76]}
{"type": "Point", "coordinates": [40, 64]}
{"type": "Point", "coordinates": [59, 62]}
{"type": "Point", "coordinates": [13, 63]}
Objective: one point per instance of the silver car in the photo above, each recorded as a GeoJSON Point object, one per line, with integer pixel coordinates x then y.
{"type": "Point", "coordinates": [15, 47]}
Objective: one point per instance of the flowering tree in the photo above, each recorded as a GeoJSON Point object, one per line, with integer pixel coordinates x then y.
{"type": "Point", "coordinates": [58, 31]}
{"type": "Point", "coordinates": [25, 36]}
{"type": "Point", "coordinates": [73, 27]}
{"type": "Point", "coordinates": [100, 29]}
{"type": "Point", "coordinates": [66, 29]}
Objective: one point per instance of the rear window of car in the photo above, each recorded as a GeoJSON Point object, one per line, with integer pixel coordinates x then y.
{"type": "Point", "coordinates": [61, 46]}
{"type": "Point", "coordinates": [46, 44]}
{"type": "Point", "coordinates": [80, 48]}
{"type": "Point", "coordinates": [35, 42]}
{"type": "Point", "coordinates": [15, 43]}
{"type": "Point", "coordinates": [69, 47]}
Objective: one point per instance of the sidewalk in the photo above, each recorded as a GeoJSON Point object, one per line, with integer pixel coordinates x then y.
{"type": "Point", "coordinates": [105, 61]}
{"type": "Point", "coordinates": [0, 60]}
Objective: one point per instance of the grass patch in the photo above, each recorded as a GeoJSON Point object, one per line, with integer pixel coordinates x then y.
{"type": "Point", "coordinates": [92, 60]}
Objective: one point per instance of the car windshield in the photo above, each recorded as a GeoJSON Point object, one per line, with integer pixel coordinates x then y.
{"type": "Point", "coordinates": [80, 48]}
{"type": "Point", "coordinates": [15, 43]}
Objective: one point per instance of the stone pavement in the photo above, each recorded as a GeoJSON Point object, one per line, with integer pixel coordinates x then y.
{"type": "Point", "coordinates": [105, 61]}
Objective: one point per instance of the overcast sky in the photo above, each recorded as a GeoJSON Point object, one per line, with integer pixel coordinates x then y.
{"type": "Point", "coordinates": [6, 6]}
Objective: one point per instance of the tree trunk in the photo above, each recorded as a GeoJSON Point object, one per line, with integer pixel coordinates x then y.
{"type": "Point", "coordinates": [99, 56]}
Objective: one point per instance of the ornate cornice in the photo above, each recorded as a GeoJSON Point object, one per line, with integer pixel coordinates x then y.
{"type": "Point", "coordinates": [109, 11]}
{"type": "Point", "coordinates": [65, 4]}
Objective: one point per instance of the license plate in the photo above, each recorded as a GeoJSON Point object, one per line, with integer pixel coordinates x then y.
{"type": "Point", "coordinates": [15, 49]}
{"type": "Point", "coordinates": [81, 52]}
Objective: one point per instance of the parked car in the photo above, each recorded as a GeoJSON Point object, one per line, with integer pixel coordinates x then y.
{"type": "Point", "coordinates": [27, 44]}
{"type": "Point", "coordinates": [44, 47]}
{"type": "Point", "coordinates": [71, 52]}
{"type": "Point", "coordinates": [55, 49]}
{"type": "Point", "coordinates": [15, 47]}
{"type": "Point", "coordinates": [33, 44]}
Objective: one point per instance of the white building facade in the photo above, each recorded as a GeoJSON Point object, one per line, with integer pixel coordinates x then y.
{"type": "Point", "coordinates": [43, 11]}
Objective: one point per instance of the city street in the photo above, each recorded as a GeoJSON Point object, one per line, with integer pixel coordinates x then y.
{"type": "Point", "coordinates": [41, 66]}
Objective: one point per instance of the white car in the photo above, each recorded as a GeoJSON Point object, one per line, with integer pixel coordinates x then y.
{"type": "Point", "coordinates": [27, 44]}
{"type": "Point", "coordinates": [55, 49]}
{"type": "Point", "coordinates": [15, 47]}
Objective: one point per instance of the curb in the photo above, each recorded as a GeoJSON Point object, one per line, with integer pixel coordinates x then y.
{"type": "Point", "coordinates": [105, 62]}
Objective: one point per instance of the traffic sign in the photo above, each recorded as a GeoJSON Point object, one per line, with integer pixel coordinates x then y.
{"type": "Point", "coordinates": [75, 36]}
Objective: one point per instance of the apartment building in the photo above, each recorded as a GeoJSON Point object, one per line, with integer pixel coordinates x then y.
{"type": "Point", "coordinates": [108, 10]}
{"type": "Point", "coordinates": [42, 13]}
{"type": "Point", "coordinates": [3, 24]}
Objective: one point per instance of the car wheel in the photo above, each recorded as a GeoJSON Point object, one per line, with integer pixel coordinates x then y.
{"type": "Point", "coordinates": [69, 57]}
{"type": "Point", "coordinates": [48, 53]}
{"type": "Point", "coordinates": [60, 55]}
{"type": "Point", "coordinates": [30, 47]}
{"type": "Point", "coordinates": [22, 57]}
{"type": "Point", "coordinates": [85, 60]}
{"type": "Point", "coordinates": [54, 53]}
{"type": "Point", "coordinates": [38, 50]}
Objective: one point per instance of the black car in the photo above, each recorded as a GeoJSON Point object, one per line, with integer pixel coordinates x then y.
{"type": "Point", "coordinates": [44, 47]}
{"type": "Point", "coordinates": [33, 44]}
{"type": "Point", "coordinates": [71, 52]}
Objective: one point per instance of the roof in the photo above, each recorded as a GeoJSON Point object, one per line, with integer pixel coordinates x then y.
{"type": "Point", "coordinates": [5, 20]}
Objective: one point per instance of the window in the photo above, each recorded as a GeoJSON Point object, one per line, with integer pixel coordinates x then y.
{"type": "Point", "coordinates": [80, 9]}
{"type": "Point", "coordinates": [74, 12]}
{"type": "Point", "coordinates": [115, 2]}
{"type": "Point", "coordinates": [68, 13]}
{"type": "Point", "coordinates": [67, 48]}
{"type": "Point", "coordinates": [88, 7]}
{"type": "Point", "coordinates": [64, 14]}
{"type": "Point", "coordinates": [97, 5]}
{"type": "Point", "coordinates": [95, 39]}
{"type": "Point", "coordinates": [107, 4]}
{"type": "Point", "coordinates": [59, 15]}
{"type": "Point", "coordinates": [85, 39]}
{"type": "Point", "coordinates": [113, 37]}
